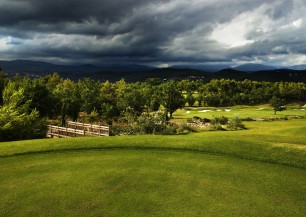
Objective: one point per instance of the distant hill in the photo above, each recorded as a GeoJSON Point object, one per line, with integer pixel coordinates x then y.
{"type": "Point", "coordinates": [252, 67]}
{"type": "Point", "coordinates": [133, 72]}
{"type": "Point", "coordinates": [38, 68]}
{"type": "Point", "coordinates": [206, 68]}
{"type": "Point", "coordinates": [298, 67]}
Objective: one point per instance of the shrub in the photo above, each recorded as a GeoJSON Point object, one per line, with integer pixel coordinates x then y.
{"type": "Point", "coordinates": [151, 124]}
{"type": "Point", "coordinates": [183, 128]}
{"type": "Point", "coordinates": [93, 116]}
{"type": "Point", "coordinates": [223, 123]}
{"type": "Point", "coordinates": [217, 123]}
{"type": "Point", "coordinates": [170, 130]}
{"type": "Point", "coordinates": [235, 124]}
{"type": "Point", "coordinates": [215, 127]}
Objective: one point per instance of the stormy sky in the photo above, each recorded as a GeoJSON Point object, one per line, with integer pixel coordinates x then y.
{"type": "Point", "coordinates": [154, 32]}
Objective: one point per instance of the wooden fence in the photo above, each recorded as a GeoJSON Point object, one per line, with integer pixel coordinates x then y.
{"type": "Point", "coordinates": [75, 129]}
{"type": "Point", "coordinates": [90, 129]}
{"type": "Point", "coordinates": [62, 132]}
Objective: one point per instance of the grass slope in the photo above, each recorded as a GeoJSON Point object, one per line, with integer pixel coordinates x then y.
{"type": "Point", "coordinates": [264, 141]}
{"type": "Point", "coordinates": [256, 172]}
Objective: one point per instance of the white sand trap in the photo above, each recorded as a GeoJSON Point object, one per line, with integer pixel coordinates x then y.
{"type": "Point", "coordinates": [187, 112]}
{"type": "Point", "coordinates": [302, 109]}
{"type": "Point", "coordinates": [205, 111]}
{"type": "Point", "coordinates": [218, 110]}
{"type": "Point", "coordinates": [260, 109]}
{"type": "Point", "coordinates": [227, 110]}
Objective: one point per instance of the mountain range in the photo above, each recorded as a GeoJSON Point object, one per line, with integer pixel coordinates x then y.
{"type": "Point", "coordinates": [135, 72]}
{"type": "Point", "coordinates": [27, 66]}
{"type": "Point", "coordinates": [249, 67]}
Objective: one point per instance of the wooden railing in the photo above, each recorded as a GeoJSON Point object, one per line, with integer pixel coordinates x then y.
{"type": "Point", "coordinates": [76, 129]}
{"type": "Point", "coordinates": [62, 132]}
{"type": "Point", "coordinates": [90, 129]}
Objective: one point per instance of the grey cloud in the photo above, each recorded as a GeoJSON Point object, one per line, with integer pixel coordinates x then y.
{"type": "Point", "coordinates": [281, 9]}
{"type": "Point", "coordinates": [56, 11]}
{"type": "Point", "coordinates": [144, 31]}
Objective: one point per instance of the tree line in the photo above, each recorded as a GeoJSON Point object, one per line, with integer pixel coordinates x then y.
{"type": "Point", "coordinates": [29, 102]}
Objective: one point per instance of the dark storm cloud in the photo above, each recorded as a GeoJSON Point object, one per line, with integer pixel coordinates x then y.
{"type": "Point", "coordinates": [156, 31]}
{"type": "Point", "coordinates": [58, 11]}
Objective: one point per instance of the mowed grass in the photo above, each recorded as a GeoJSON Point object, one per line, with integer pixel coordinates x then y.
{"type": "Point", "coordinates": [147, 183]}
{"type": "Point", "coordinates": [256, 172]}
{"type": "Point", "coordinates": [260, 111]}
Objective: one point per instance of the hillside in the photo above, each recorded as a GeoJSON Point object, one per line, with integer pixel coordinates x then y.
{"type": "Point", "coordinates": [252, 67]}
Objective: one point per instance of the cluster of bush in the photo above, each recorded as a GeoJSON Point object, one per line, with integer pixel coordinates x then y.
{"type": "Point", "coordinates": [154, 123]}
{"type": "Point", "coordinates": [224, 123]}
{"type": "Point", "coordinates": [217, 123]}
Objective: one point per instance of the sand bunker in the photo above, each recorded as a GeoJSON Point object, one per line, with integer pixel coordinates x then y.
{"type": "Point", "coordinates": [205, 111]}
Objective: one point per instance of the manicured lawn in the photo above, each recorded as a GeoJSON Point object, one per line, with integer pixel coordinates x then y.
{"type": "Point", "coordinates": [260, 171]}
{"type": "Point", "coordinates": [147, 183]}
{"type": "Point", "coordinates": [260, 111]}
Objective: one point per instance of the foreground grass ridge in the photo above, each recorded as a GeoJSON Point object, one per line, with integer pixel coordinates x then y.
{"type": "Point", "coordinates": [276, 159]}
{"type": "Point", "coordinates": [272, 146]}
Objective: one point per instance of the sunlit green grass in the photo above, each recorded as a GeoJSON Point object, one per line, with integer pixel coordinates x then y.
{"type": "Point", "coordinates": [263, 141]}
{"type": "Point", "coordinates": [260, 111]}
{"type": "Point", "coordinates": [147, 183]}
{"type": "Point", "coordinates": [260, 171]}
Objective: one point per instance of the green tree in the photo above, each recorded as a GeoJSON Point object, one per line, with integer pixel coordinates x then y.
{"type": "Point", "coordinates": [16, 125]}
{"type": "Point", "coordinates": [69, 95]}
{"type": "Point", "coordinates": [51, 81]}
{"type": "Point", "coordinates": [171, 97]}
{"type": "Point", "coordinates": [17, 121]}
{"type": "Point", "coordinates": [277, 104]}
{"type": "Point", "coordinates": [89, 92]}
{"type": "Point", "coordinates": [3, 80]}
{"type": "Point", "coordinates": [134, 98]}
{"type": "Point", "coordinates": [40, 97]}
{"type": "Point", "coordinates": [34, 94]}
{"type": "Point", "coordinates": [190, 99]}
{"type": "Point", "coordinates": [108, 96]}
{"type": "Point", "coordinates": [151, 93]}
{"type": "Point", "coordinates": [13, 95]}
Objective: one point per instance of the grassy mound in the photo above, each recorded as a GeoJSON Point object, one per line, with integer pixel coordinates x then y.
{"type": "Point", "coordinates": [256, 172]}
